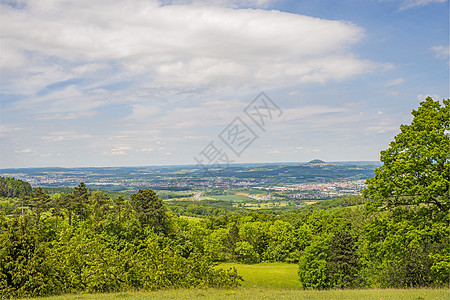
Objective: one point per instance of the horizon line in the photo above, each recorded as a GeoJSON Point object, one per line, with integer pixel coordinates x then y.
{"type": "Point", "coordinates": [193, 165]}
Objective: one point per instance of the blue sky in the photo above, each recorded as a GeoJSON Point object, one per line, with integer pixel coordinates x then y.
{"type": "Point", "coordinates": [138, 83]}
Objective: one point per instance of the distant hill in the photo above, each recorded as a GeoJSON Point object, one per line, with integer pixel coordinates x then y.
{"type": "Point", "coordinates": [316, 161]}
{"type": "Point", "coordinates": [309, 172]}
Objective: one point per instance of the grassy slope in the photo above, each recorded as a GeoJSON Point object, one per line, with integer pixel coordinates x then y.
{"type": "Point", "coordinates": [261, 293]}
{"type": "Point", "coordinates": [267, 275]}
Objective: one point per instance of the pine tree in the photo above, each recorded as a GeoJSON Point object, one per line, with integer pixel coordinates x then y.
{"type": "Point", "coordinates": [150, 210]}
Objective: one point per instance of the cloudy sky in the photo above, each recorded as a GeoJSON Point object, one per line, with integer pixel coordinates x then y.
{"type": "Point", "coordinates": [138, 83]}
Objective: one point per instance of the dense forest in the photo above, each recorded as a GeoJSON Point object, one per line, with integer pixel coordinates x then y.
{"type": "Point", "coordinates": [394, 235]}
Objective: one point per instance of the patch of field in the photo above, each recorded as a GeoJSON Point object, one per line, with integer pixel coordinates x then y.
{"type": "Point", "coordinates": [235, 197]}
{"type": "Point", "coordinates": [263, 205]}
{"type": "Point", "coordinates": [267, 275]}
{"type": "Point", "coordinates": [242, 194]}
{"type": "Point", "coordinates": [248, 191]}
{"type": "Point", "coordinates": [267, 293]}
{"type": "Point", "coordinates": [310, 202]}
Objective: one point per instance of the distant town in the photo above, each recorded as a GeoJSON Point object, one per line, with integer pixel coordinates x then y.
{"type": "Point", "coordinates": [271, 185]}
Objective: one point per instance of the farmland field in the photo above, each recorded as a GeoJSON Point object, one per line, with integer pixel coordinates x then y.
{"type": "Point", "coordinates": [231, 197]}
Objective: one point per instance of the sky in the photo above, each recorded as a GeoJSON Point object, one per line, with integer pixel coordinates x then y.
{"type": "Point", "coordinates": [141, 83]}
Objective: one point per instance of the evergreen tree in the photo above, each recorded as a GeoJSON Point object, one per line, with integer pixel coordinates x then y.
{"type": "Point", "coordinates": [342, 261]}
{"type": "Point", "coordinates": [232, 240]}
{"type": "Point", "coordinates": [119, 205]}
{"type": "Point", "coordinates": [81, 197]}
{"type": "Point", "coordinates": [150, 210]}
{"type": "Point", "coordinates": [39, 201]}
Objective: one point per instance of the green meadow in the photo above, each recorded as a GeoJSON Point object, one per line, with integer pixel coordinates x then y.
{"type": "Point", "coordinates": [267, 275]}
{"type": "Point", "coordinates": [267, 293]}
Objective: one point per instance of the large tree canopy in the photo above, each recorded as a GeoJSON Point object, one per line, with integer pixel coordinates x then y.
{"type": "Point", "coordinates": [416, 165]}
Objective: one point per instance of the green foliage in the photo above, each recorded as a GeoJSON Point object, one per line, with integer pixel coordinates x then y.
{"type": "Point", "coordinates": [150, 209]}
{"type": "Point", "coordinates": [246, 252]}
{"type": "Point", "coordinates": [416, 166]}
{"type": "Point", "coordinates": [81, 196]}
{"type": "Point", "coordinates": [408, 245]}
{"type": "Point", "coordinates": [24, 267]}
{"type": "Point", "coordinates": [8, 205]}
{"type": "Point", "coordinates": [342, 261]}
{"type": "Point", "coordinates": [282, 241]}
{"type": "Point", "coordinates": [313, 264]}
{"type": "Point", "coordinates": [100, 251]}
{"type": "Point", "coordinates": [11, 187]}
{"type": "Point", "coordinates": [335, 203]}
{"type": "Point", "coordinates": [38, 200]}
{"type": "Point", "coordinates": [194, 210]}
{"type": "Point", "coordinates": [402, 251]}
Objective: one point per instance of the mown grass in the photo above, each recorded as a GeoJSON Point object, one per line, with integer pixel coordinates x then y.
{"type": "Point", "coordinates": [264, 293]}
{"type": "Point", "coordinates": [267, 275]}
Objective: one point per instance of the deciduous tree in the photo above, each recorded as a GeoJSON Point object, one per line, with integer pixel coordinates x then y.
{"type": "Point", "coordinates": [416, 166]}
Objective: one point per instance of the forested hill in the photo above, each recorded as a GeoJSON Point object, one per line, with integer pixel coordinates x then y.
{"type": "Point", "coordinates": [308, 172]}
{"type": "Point", "coordinates": [11, 187]}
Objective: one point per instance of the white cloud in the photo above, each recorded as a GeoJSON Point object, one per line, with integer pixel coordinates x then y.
{"type": "Point", "coordinates": [118, 150]}
{"type": "Point", "coordinates": [64, 103]}
{"type": "Point", "coordinates": [183, 116]}
{"type": "Point", "coordinates": [25, 151]}
{"type": "Point", "coordinates": [4, 128]}
{"type": "Point", "coordinates": [89, 68]}
{"type": "Point", "coordinates": [382, 128]}
{"type": "Point", "coordinates": [145, 76]}
{"type": "Point", "coordinates": [308, 112]}
{"type": "Point", "coordinates": [415, 3]}
{"type": "Point", "coordinates": [173, 46]}
{"type": "Point", "coordinates": [422, 97]}
{"type": "Point", "coordinates": [395, 82]}
{"type": "Point", "coordinates": [67, 116]}
{"type": "Point", "coordinates": [228, 3]}
{"type": "Point", "coordinates": [273, 152]}
{"type": "Point", "coordinates": [59, 136]}
{"type": "Point", "coordinates": [441, 51]}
